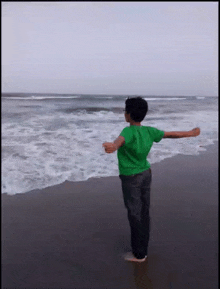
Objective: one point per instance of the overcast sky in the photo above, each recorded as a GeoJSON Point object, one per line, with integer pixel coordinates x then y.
{"type": "Point", "coordinates": [146, 48]}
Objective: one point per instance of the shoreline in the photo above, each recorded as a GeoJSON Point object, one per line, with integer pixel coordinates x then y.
{"type": "Point", "coordinates": [208, 148]}
{"type": "Point", "coordinates": [73, 235]}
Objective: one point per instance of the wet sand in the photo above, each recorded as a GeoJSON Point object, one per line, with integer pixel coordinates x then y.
{"type": "Point", "coordinates": [74, 235]}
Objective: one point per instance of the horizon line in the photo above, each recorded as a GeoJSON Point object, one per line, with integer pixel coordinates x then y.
{"type": "Point", "coordinates": [144, 95]}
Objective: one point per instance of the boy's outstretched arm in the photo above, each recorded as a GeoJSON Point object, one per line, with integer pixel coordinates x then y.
{"type": "Point", "coordinates": [112, 147]}
{"type": "Point", "coordinates": [178, 134]}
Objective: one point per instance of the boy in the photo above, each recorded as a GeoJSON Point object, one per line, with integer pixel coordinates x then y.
{"type": "Point", "coordinates": [133, 145]}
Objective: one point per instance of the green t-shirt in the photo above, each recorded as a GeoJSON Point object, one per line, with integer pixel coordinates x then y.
{"type": "Point", "coordinates": [132, 156]}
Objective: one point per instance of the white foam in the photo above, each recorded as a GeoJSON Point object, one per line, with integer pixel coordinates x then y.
{"type": "Point", "coordinates": [104, 97]}
{"type": "Point", "coordinates": [37, 154]}
{"type": "Point", "coordinates": [164, 98]}
{"type": "Point", "coordinates": [37, 97]}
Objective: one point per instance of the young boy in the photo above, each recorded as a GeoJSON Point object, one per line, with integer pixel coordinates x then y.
{"type": "Point", "coordinates": [133, 145]}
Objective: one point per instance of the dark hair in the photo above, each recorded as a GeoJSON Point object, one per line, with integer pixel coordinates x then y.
{"type": "Point", "coordinates": [137, 107]}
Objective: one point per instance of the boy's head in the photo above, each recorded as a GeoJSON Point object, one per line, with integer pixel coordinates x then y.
{"type": "Point", "coordinates": [137, 107]}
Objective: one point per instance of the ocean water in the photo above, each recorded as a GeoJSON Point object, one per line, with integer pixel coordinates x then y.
{"type": "Point", "coordinates": [47, 139]}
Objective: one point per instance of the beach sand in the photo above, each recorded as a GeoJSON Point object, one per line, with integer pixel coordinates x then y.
{"type": "Point", "coordinates": [74, 235]}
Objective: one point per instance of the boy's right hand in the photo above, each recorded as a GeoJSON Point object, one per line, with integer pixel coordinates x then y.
{"type": "Point", "coordinates": [109, 147]}
{"type": "Point", "coordinates": [195, 131]}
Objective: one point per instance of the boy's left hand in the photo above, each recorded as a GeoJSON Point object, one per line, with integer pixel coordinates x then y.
{"type": "Point", "coordinates": [109, 147]}
{"type": "Point", "coordinates": [195, 131]}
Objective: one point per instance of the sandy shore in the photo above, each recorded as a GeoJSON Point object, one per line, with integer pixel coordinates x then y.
{"type": "Point", "coordinates": [73, 235]}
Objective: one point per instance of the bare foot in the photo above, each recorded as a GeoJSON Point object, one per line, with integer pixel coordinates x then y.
{"type": "Point", "coordinates": [131, 258]}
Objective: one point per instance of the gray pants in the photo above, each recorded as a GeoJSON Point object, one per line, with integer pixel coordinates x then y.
{"type": "Point", "coordinates": [136, 193]}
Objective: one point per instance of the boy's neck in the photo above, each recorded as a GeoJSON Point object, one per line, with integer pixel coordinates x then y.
{"type": "Point", "coordinates": [135, 123]}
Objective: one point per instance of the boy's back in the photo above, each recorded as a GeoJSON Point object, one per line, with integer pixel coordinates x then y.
{"type": "Point", "coordinates": [132, 156]}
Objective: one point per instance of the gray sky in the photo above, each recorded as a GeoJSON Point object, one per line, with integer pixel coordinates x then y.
{"type": "Point", "coordinates": [147, 48]}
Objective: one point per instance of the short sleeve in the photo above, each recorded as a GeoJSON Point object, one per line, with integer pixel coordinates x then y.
{"type": "Point", "coordinates": [156, 134]}
{"type": "Point", "coordinates": [126, 133]}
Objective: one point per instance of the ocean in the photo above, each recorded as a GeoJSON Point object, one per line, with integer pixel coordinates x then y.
{"type": "Point", "coordinates": [50, 138]}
